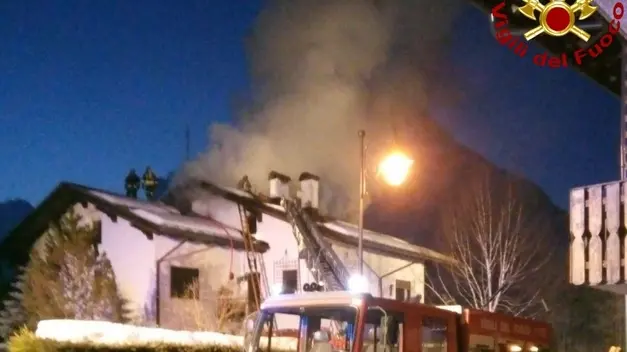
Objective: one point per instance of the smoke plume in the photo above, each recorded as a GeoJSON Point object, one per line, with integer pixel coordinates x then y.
{"type": "Point", "coordinates": [322, 70]}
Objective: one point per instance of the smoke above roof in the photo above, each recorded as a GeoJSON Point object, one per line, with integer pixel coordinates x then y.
{"type": "Point", "coordinates": [321, 70]}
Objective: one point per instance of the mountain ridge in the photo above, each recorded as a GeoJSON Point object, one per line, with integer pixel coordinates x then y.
{"type": "Point", "coordinates": [11, 213]}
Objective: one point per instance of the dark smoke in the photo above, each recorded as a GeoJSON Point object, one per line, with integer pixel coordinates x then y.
{"type": "Point", "coordinates": [322, 70]}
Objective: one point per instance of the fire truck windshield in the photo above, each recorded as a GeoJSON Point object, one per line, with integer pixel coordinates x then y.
{"type": "Point", "coordinates": [306, 328]}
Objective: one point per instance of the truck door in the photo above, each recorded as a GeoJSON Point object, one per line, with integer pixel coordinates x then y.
{"type": "Point", "coordinates": [383, 331]}
{"type": "Point", "coordinates": [432, 331]}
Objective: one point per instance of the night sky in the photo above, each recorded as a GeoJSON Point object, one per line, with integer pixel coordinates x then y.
{"type": "Point", "coordinates": [89, 89]}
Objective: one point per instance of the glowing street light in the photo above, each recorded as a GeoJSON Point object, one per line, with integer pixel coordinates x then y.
{"type": "Point", "coordinates": [358, 284]}
{"type": "Point", "coordinates": [394, 169]}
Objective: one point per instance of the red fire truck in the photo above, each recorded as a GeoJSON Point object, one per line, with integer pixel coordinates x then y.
{"type": "Point", "coordinates": [343, 321]}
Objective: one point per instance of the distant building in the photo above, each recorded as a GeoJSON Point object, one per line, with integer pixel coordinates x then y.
{"type": "Point", "coordinates": [206, 227]}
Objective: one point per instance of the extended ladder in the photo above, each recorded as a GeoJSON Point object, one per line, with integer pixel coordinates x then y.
{"type": "Point", "coordinates": [251, 257]}
{"type": "Point", "coordinates": [329, 268]}
{"type": "Point", "coordinates": [322, 259]}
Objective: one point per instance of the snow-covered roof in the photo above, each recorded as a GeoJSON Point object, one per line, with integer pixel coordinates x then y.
{"type": "Point", "coordinates": [169, 219]}
{"type": "Point", "coordinates": [352, 230]}
{"type": "Point", "coordinates": [151, 217]}
{"type": "Point", "coordinates": [333, 229]}
{"type": "Point", "coordinates": [156, 207]}
{"type": "Point", "coordinates": [187, 223]}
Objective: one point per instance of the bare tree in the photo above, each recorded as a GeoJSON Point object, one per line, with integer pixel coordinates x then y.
{"type": "Point", "coordinates": [497, 243]}
{"type": "Point", "coordinates": [220, 311]}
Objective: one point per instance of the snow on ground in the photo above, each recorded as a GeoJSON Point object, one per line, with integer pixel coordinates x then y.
{"type": "Point", "coordinates": [107, 333]}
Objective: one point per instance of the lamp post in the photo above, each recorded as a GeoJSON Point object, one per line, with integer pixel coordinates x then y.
{"type": "Point", "coordinates": [362, 195]}
{"type": "Point", "coordinates": [394, 170]}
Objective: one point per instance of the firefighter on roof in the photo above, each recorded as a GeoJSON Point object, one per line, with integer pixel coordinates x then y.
{"type": "Point", "coordinates": [131, 184]}
{"type": "Point", "coordinates": [244, 184]}
{"type": "Point", "coordinates": [150, 183]}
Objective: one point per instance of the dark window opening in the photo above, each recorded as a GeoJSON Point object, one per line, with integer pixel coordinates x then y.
{"type": "Point", "coordinates": [290, 281]}
{"type": "Point", "coordinates": [184, 282]}
{"type": "Point", "coordinates": [403, 290]}
{"type": "Point", "coordinates": [400, 294]}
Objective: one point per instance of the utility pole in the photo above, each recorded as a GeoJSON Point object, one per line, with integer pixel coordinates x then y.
{"type": "Point", "coordinates": [362, 196]}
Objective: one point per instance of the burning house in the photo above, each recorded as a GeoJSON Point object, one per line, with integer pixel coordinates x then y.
{"type": "Point", "coordinates": [260, 244]}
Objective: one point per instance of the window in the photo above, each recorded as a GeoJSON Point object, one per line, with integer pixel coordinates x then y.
{"type": "Point", "coordinates": [400, 294]}
{"type": "Point", "coordinates": [434, 334]}
{"type": "Point", "coordinates": [290, 281]}
{"type": "Point", "coordinates": [286, 274]}
{"type": "Point", "coordinates": [313, 328]}
{"type": "Point", "coordinates": [403, 290]}
{"type": "Point", "coordinates": [383, 332]}
{"type": "Point", "coordinates": [184, 282]}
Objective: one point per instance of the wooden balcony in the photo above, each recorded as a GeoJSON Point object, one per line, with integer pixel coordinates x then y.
{"type": "Point", "coordinates": [597, 236]}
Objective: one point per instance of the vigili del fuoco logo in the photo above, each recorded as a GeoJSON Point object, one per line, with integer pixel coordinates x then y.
{"type": "Point", "coordinates": [556, 18]}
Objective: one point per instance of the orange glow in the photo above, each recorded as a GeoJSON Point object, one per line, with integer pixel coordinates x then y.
{"type": "Point", "coordinates": [395, 168]}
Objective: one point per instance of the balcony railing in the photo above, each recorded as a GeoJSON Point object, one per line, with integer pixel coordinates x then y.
{"type": "Point", "coordinates": [597, 234]}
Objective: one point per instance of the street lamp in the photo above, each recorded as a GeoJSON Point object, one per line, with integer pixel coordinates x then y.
{"type": "Point", "coordinates": [394, 170]}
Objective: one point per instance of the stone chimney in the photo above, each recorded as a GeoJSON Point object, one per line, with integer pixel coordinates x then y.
{"type": "Point", "coordinates": [279, 187]}
{"type": "Point", "coordinates": [309, 190]}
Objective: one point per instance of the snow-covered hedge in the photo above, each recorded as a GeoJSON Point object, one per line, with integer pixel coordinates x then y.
{"type": "Point", "coordinates": [78, 331]}
{"type": "Point", "coordinates": [78, 335]}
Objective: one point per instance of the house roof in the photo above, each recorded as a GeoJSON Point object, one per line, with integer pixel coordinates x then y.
{"type": "Point", "coordinates": [334, 230]}
{"type": "Point", "coordinates": [149, 217]}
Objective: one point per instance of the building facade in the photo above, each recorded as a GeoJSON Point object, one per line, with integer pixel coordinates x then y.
{"type": "Point", "coordinates": [172, 269]}
{"type": "Point", "coordinates": [174, 258]}
{"type": "Point", "coordinates": [393, 268]}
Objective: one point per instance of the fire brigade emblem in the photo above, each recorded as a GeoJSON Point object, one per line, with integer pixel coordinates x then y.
{"type": "Point", "coordinates": [557, 18]}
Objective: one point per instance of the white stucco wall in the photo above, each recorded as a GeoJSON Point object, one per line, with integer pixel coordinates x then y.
{"type": "Point", "coordinates": [283, 249]}
{"type": "Point", "coordinates": [283, 246]}
{"type": "Point", "coordinates": [132, 257]}
{"type": "Point", "coordinates": [214, 265]}
{"type": "Point", "coordinates": [277, 233]}
{"type": "Point", "coordinates": [384, 271]}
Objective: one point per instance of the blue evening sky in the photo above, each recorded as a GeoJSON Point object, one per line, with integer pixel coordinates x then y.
{"type": "Point", "coordinates": [89, 89]}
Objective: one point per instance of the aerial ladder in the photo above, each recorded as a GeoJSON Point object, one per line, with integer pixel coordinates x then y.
{"type": "Point", "coordinates": [321, 258]}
